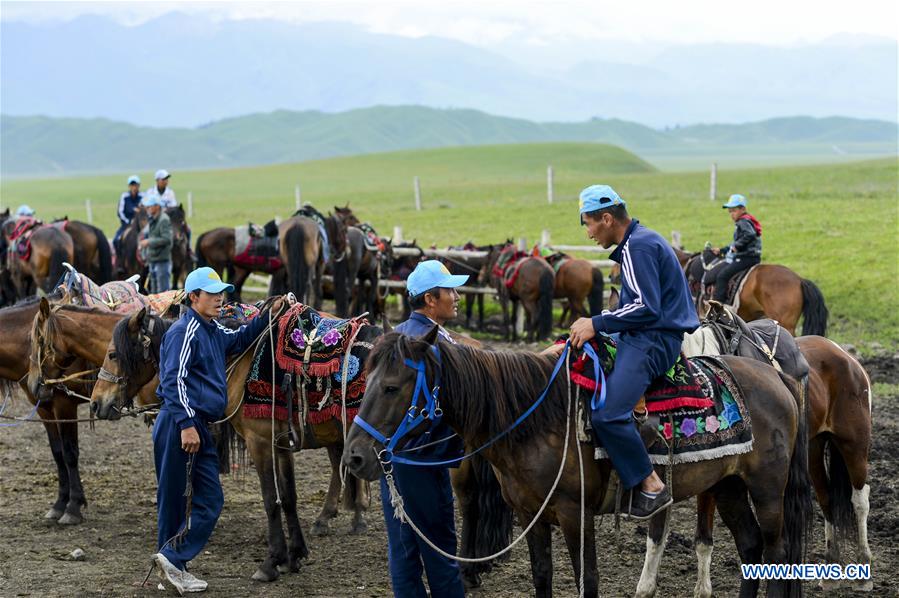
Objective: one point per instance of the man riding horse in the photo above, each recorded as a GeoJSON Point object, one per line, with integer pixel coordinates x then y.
{"type": "Point", "coordinates": [128, 204]}
{"type": "Point", "coordinates": [746, 249]}
{"type": "Point", "coordinates": [654, 313]}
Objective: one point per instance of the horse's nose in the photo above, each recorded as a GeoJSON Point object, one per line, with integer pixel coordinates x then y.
{"type": "Point", "coordinates": [353, 459]}
{"type": "Point", "coordinates": [95, 407]}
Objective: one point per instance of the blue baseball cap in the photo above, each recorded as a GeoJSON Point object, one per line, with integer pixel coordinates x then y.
{"type": "Point", "coordinates": [134, 180]}
{"type": "Point", "coordinates": [205, 279]}
{"type": "Point", "coordinates": [598, 197]}
{"type": "Point", "coordinates": [736, 201]}
{"type": "Point", "coordinates": [430, 274]}
{"type": "Point", "coordinates": [150, 200]}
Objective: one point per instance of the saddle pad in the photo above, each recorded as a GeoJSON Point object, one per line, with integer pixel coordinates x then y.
{"type": "Point", "coordinates": [242, 238]}
{"type": "Point", "coordinates": [557, 261]}
{"type": "Point", "coordinates": [118, 295]}
{"type": "Point", "coordinates": [701, 434]}
{"type": "Point", "coordinates": [310, 344]}
{"type": "Point", "coordinates": [508, 265]}
{"type": "Point", "coordinates": [373, 242]}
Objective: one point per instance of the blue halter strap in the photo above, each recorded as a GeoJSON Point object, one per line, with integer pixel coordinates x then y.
{"type": "Point", "coordinates": [599, 376]}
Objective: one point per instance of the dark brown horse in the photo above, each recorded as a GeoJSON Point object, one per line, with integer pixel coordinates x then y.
{"type": "Point", "coordinates": [182, 257]}
{"type": "Point", "coordinates": [769, 291]}
{"type": "Point", "coordinates": [128, 257]}
{"type": "Point", "coordinates": [303, 259]}
{"type": "Point", "coordinates": [364, 269]}
{"type": "Point", "coordinates": [346, 216]}
{"type": "Point", "coordinates": [125, 362]}
{"type": "Point", "coordinates": [7, 288]}
{"type": "Point", "coordinates": [470, 265]}
{"type": "Point", "coordinates": [576, 281]}
{"type": "Point", "coordinates": [481, 395]}
{"type": "Point", "coordinates": [532, 287]}
{"type": "Point", "coordinates": [216, 248]}
{"type": "Point", "coordinates": [43, 267]}
{"type": "Point", "coordinates": [92, 252]}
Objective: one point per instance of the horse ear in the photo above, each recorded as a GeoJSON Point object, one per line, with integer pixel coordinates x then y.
{"type": "Point", "coordinates": [614, 298]}
{"type": "Point", "coordinates": [45, 308]}
{"type": "Point", "coordinates": [134, 321]}
{"type": "Point", "coordinates": [431, 336]}
{"type": "Point", "coordinates": [385, 324]}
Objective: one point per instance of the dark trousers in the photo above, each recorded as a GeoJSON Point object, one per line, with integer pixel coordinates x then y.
{"type": "Point", "coordinates": [118, 235]}
{"type": "Point", "coordinates": [171, 477]}
{"type": "Point", "coordinates": [728, 271]}
{"type": "Point", "coordinates": [641, 357]}
{"type": "Point", "coordinates": [428, 500]}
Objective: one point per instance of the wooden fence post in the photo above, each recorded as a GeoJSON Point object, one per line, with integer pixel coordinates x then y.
{"type": "Point", "coordinates": [190, 204]}
{"type": "Point", "coordinates": [90, 212]}
{"type": "Point", "coordinates": [397, 234]}
{"type": "Point", "coordinates": [544, 238]}
{"type": "Point", "coordinates": [417, 186]}
{"type": "Point", "coordinates": [713, 187]}
{"type": "Point", "coordinates": [298, 197]}
{"type": "Point", "coordinates": [549, 184]}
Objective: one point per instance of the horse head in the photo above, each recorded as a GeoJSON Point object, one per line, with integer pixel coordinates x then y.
{"type": "Point", "coordinates": [47, 344]}
{"type": "Point", "coordinates": [390, 400]}
{"type": "Point", "coordinates": [346, 215]}
{"type": "Point", "coordinates": [130, 363]}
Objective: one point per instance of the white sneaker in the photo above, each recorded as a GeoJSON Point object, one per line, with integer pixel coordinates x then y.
{"type": "Point", "coordinates": [170, 573]}
{"type": "Point", "coordinates": [192, 583]}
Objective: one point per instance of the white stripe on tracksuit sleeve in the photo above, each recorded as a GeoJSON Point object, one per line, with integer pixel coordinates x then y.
{"type": "Point", "coordinates": [640, 273]}
{"type": "Point", "coordinates": [183, 362]}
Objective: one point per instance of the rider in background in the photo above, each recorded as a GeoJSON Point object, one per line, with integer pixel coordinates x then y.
{"type": "Point", "coordinates": [128, 204]}
{"type": "Point", "coordinates": [161, 191]}
{"type": "Point", "coordinates": [746, 249]}
{"type": "Point", "coordinates": [24, 211]}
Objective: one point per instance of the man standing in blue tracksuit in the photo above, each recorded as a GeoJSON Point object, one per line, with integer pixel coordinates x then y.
{"type": "Point", "coordinates": [426, 491]}
{"type": "Point", "coordinates": [654, 313]}
{"type": "Point", "coordinates": [193, 392]}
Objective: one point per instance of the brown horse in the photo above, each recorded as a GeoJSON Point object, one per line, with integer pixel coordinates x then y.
{"type": "Point", "coordinates": [364, 269]}
{"type": "Point", "coordinates": [576, 280]}
{"type": "Point", "coordinates": [92, 253]}
{"type": "Point", "coordinates": [128, 257]}
{"type": "Point", "coordinates": [346, 215]}
{"type": "Point", "coordinates": [126, 364]}
{"type": "Point", "coordinates": [16, 322]}
{"type": "Point", "coordinates": [482, 393]}
{"type": "Point", "coordinates": [532, 286]}
{"type": "Point", "coordinates": [301, 254]}
{"type": "Point", "coordinates": [182, 257]}
{"type": "Point", "coordinates": [216, 247]}
{"type": "Point", "coordinates": [43, 268]}
{"type": "Point", "coordinates": [769, 291]}
{"type": "Point", "coordinates": [470, 266]}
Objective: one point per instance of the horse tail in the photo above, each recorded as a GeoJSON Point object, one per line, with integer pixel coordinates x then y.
{"type": "Point", "coordinates": [798, 503]}
{"type": "Point", "coordinates": [839, 492]}
{"type": "Point", "coordinates": [494, 529]}
{"type": "Point", "coordinates": [201, 259]}
{"type": "Point", "coordinates": [341, 287]}
{"type": "Point", "coordinates": [105, 255]}
{"type": "Point", "coordinates": [594, 297]}
{"type": "Point", "coordinates": [814, 310]}
{"type": "Point", "coordinates": [57, 271]}
{"type": "Point", "coordinates": [545, 304]}
{"type": "Point", "coordinates": [297, 268]}
{"type": "Point", "coordinates": [229, 447]}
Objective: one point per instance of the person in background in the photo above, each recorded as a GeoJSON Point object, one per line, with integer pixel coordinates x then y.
{"type": "Point", "coordinates": [129, 201]}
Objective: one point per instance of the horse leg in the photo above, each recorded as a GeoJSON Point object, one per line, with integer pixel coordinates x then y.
{"type": "Point", "coordinates": [62, 497]}
{"type": "Point", "coordinates": [769, 506]}
{"type": "Point", "coordinates": [480, 311]}
{"type": "Point", "coordinates": [237, 277]}
{"type": "Point", "coordinates": [704, 542]}
{"type": "Point", "coordinates": [818, 474]}
{"type": "Point", "coordinates": [260, 451]}
{"type": "Point", "coordinates": [321, 526]}
{"type": "Point", "coordinates": [563, 315]}
{"type": "Point", "coordinates": [361, 494]}
{"type": "Point", "coordinates": [656, 537]}
{"type": "Point", "coordinates": [855, 455]}
{"type": "Point", "coordinates": [296, 544]}
{"type": "Point", "coordinates": [465, 487]}
{"type": "Point", "coordinates": [570, 522]}
{"type": "Point", "coordinates": [540, 547]}
{"type": "Point", "coordinates": [735, 511]}
{"type": "Point", "coordinates": [64, 408]}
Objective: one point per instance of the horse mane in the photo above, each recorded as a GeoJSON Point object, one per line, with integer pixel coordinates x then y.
{"type": "Point", "coordinates": [30, 300]}
{"type": "Point", "coordinates": [130, 354]}
{"type": "Point", "coordinates": [490, 389]}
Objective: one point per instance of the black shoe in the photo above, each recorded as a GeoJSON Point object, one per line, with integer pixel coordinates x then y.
{"type": "Point", "coordinates": [643, 507]}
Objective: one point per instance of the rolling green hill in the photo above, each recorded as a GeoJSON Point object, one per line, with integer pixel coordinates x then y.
{"type": "Point", "coordinates": [42, 146]}
{"type": "Point", "coordinates": [834, 224]}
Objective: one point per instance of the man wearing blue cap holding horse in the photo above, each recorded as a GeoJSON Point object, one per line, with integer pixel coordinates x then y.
{"type": "Point", "coordinates": [654, 312]}
{"type": "Point", "coordinates": [427, 492]}
{"type": "Point", "coordinates": [193, 393]}
{"type": "Point", "coordinates": [746, 249]}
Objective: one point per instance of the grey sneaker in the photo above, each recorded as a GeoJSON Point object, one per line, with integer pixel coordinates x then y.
{"type": "Point", "coordinates": [192, 583]}
{"type": "Point", "coordinates": [170, 574]}
{"type": "Point", "coordinates": [644, 508]}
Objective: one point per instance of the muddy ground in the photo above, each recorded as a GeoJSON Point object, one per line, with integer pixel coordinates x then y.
{"type": "Point", "coordinates": [119, 533]}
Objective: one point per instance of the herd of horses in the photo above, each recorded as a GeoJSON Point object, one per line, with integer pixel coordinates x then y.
{"type": "Point", "coordinates": [810, 404]}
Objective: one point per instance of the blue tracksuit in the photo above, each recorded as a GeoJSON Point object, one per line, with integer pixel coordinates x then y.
{"type": "Point", "coordinates": [428, 498]}
{"type": "Point", "coordinates": [654, 313]}
{"type": "Point", "coordinates": [128, 204]}
{"type": "Point", "coordinates": [193, 392]}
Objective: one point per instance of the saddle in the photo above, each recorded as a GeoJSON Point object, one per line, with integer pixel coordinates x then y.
{"type": "Point", "coordinates": [694, 412]}
{"type": "Point", "coordinates": [734, 284]}
{"type": "Point", "coordinates": [256, 247]}
{"type": "Point", "coordinates": [20, 238]}
{"type": "Point", "coordinates": [557, 261]}
{"type": "Point", "coordinates": [508, 264]}
{"type": "Point", "coordinates": [373, 242]}
{"type": "Point", "coordinates": [120, 296]}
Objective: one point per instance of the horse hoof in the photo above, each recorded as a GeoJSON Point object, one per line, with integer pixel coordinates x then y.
{"type": "Point", "coordinates": [54, 514]}
{"type": "Point", "coordinates": [360, 528]}
{"type": "Point", "coordinates": [282, 569]}
{"type": "Point", "coordinates": [320, 529]}
{"type": "Point", "coordinates": [261, 575]}
{"type": "Point", "coordinates": [70, 519]}
{"type": "Point", "coordinates": [863, 585]}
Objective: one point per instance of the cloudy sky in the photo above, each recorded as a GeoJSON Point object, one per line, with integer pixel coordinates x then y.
{"type": "Point", "coordinates": [495, 22]}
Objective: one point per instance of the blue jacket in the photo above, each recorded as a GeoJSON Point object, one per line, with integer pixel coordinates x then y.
{"type": "Point", "coordinates": [654, 291]}
{"type": "Point", "coordinates": [192, 381]}
{"type": "Point", "coordinates": [418, 325]}
{"type": "Point", "coordinates": [128, 205]}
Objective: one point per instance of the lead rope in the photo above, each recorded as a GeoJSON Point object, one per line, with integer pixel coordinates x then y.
{"type": "Point", "coordinates": [271, 343]}
{"type": "Point", "coordinates": [343, 399]}
{"type": "Point", "coordinates": [580, 464]}
{"type": "Point", "coordinates": [399, 512]}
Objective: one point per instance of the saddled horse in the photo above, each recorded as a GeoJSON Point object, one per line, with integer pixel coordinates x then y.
{"type": "Point", "coordinates": [527, 281]}
{"type": "Point", "coordinates": [470, 265]}
{"type": "Point", "coordinates": [7, 288]}
{"type": "Point", "coordinates": [182, 257]}
{"type": "Point", "coordinates": [216, 248]}
{"type": "Point", "coordinates": [482, 394]}
{"type": "Point", "coordinates": [768, 291]}
{"type": "Point", "coordinates": [365, 266]}
{"type": "Point", "coordinates": [42, 267]}
{"type": "Point", "coordinates": [92, 252]}
{"type": "Point", "coordinates": [576, 280]}
{"type": "Point", "coordinates": [128, 369]}
{"type": "Point", "coordinates": [303, 254]}
{"type": "Point", "coordinates": [128, 258]}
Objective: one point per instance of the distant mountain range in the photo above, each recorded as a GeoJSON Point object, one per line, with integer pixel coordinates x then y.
{"type": "Point", "coordinates": [183, 70]}
{"type": "Point", "coordinates": [41, 146]}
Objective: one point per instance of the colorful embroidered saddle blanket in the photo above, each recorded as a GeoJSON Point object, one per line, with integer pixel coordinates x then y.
{"type": "Point", "coordinates": [373, 242]}
{"type": "Point", "coordinates": [699, 406]}
{"type": "Point", "coordinates": [508, 264]}
{"type": "Point", "coordinates": [20, 238]}
{"type": "Point", "coordinates": [313, 349]}
{"type": "Point", "coordinates": [256, 247]}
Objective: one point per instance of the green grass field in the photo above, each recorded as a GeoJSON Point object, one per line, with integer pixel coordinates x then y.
{"type": "Point", "coordinates": [834, 224]}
